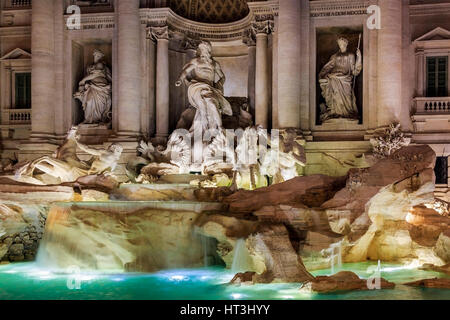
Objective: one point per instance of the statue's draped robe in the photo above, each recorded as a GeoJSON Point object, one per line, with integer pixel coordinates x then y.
{"type": "Point", "coordinates": [96, 98]}
{"type": "Point", "coordinates": [336, 82]}
{"type": "Point", "coordinates": [210, 105]}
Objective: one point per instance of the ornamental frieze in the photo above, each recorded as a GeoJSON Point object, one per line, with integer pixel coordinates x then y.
{"type": "Point", "coordinates": [339, 8]}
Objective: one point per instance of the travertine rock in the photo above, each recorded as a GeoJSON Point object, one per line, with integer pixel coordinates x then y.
{"type": "Point", "coordinates": [244, 277]}
{"type": "Point", "coordinates": [311, 191]}
{"type": "Point", "coordinates": [426, 225]}
{"type": "Point", "coordinates": [442, 248]}
{"type": "Point", "coordinates": [342, 281]}
{"type": "Point", "coordinates": [21, 228]}
{"type": "Point", "coordinates": [407, 169]}
{"type": "Point", "coordinates": [430, 267]}
{"type": "Point", "coordinates": [437, 283]}
{"type": "Point", "coordinates": [268, 249]}
{"type": "Point", "coordinates": [273, 246]}
{"type": "Point", "coordinates": [388, 237]}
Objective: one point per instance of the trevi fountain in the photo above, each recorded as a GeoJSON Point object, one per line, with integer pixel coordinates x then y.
{"type": "Point", "coordinates": [225, 207]}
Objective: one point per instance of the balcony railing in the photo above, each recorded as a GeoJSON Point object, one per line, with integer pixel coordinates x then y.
{"type": "Point", "coordinates": [17, 4]}
{"type": "Point", "coordinates": [17, 116]}
{"type": "Point", "coordinates": [432, 105]}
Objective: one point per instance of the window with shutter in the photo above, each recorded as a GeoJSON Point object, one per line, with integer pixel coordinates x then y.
{"type": "Point", "coordinates": [23, 91]}
{"type": "Point", "coordinates": [437, 76]}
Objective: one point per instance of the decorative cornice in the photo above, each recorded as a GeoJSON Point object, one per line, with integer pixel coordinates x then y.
{"type": "Point", "coordinates": [264, 9]}
{"type": "Point", "coordinates": [90, 21]}
{"type": "Point", "coordinates": [331, 8]}
{"type": "Point", "coordinates": [429, 9]}
{"type": "Point", "coordinates": [161, 17]}
{"type": "Point", "coordinates": [15, 31]}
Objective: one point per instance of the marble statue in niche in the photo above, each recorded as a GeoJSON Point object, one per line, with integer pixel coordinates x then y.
{"type": "Point", "coordinates": [95, 92]}
{"type": "Point", "coordinates": [205, 80]}
{"type": "Point", "coordinates": [338, 86]}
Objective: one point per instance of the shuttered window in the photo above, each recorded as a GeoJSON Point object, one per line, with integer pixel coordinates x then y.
{"type": "Point", "coordinates": [437, 76]}
{"type": "Point", "coordinates": [23, 91]}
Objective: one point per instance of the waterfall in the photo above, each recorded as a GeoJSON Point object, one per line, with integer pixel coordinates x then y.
{"type": "Point", "coordinates": [241, 257]}
{"type": "Point", "coordinates": [335, 255]}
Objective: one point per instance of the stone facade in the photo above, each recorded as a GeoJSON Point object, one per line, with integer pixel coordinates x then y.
{"type": "Point", "coordinates": [270, 53]}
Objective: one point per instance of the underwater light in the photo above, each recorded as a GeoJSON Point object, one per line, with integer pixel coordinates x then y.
{"type": "Point", "coordinates": [287, 297]}
{"type": "Point", "coordinates": [85, 277]}
{"type": "Point", "coordinates": [178, 278]}
{"type": "Point", "coordinates": [236, 296]}
{"type": "Point", "coordinates": [117, 279]}
{"type": "Point", "coordinates": [10, 271]}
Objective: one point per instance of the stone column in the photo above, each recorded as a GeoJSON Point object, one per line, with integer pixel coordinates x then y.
{"type": "Point", "coordinates": [161, 35]}
{"type": "Point", "coordinates": [129, 68]}
{"type": "Point", "coordinates": [289, 61]}
{"type": "Point", "coordinates": [420, 76]}
{"type": "Point", "coordinates": [250, 41]}
{"type": "Point", "coordinates": [275, 75]}
{"type": "Point", "coordinates": [262, 30]}
{"type": "Point", "coordinates": [43, 71]}
{"type": "Point", "coordinates": [60, 108]}
{"type": "Point", "coordinates": [390, 63]}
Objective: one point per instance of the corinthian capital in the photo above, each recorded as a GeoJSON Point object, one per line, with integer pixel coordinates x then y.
{"type": "Point", "coordinates": [265, 27]}
{"type": "Point", "coordinates": [158, 33]}
{"type": "Point", "coordinates": [249, 37]}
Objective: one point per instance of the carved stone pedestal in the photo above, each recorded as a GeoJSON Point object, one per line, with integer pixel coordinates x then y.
{"type": "Point", "coordinates": [94, 134]}
{"type": "Point", "coordinates": [342, 121]}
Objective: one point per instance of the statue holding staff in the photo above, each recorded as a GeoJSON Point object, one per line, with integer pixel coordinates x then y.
{"type": "Point", "coordinates": [337, 83]}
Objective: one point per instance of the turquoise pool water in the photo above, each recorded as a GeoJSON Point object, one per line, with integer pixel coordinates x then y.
{"type": "Point", "coordinates": [28, 281]}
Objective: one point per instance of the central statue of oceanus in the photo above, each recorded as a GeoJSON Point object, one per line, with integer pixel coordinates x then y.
{"type": "Point", "coordinates": [205, 80]}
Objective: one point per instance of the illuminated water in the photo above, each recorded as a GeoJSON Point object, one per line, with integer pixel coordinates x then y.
{"type": "Point", "coordinates": [27, 281]}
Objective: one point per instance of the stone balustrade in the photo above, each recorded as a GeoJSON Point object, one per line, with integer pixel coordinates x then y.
{"type": "Point", "coordinates": [432, 105]}
{"type": "Point", "coordinates": [17, 4]}
{"type": "Point", "coordinates": [17, 116]}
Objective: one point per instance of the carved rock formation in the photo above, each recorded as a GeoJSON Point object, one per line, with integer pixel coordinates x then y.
{"type": "Point", "coordinates": [21, 228]}
{"type": "Point", "coordinates": [437, 283]}
{"type": "Point", "coordinates": [430, 267]}
{"type": "Point", "coordinates": [367, 210]}
{"type": "Point", "coordinates": [342, 281]}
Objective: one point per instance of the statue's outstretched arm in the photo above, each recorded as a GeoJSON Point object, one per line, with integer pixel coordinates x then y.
{"type": "Point", "coordinates": [88, 150]}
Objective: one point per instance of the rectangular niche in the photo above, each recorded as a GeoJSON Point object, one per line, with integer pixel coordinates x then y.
{"type": "Point", "coordinates": [82, 58]}
{"type": "Point", "coordinates": [326, 41]}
